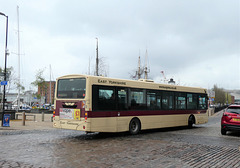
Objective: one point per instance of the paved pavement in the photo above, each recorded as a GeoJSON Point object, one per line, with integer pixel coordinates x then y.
{"type": "Point", "coordinates": [30, 124]}
{"type": "Point", "coordinates": [202, 146]}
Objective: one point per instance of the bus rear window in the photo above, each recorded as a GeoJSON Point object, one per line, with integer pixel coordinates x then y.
{"type": "Point", "coordinates": [71, 88]}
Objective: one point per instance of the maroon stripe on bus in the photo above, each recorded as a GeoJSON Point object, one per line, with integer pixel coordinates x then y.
{"type": "Point", "coordinates": [97, 114]}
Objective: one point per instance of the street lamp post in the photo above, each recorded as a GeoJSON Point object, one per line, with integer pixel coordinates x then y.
{"type": "Point", "coordinates": [5, 69]}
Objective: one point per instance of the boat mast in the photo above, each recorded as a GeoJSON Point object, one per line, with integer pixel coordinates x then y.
{"type": "Point", "coordinates": [18, 97]}
{"type": "Point", "coordinates": [146, 69]}
{"type": "Point", "coordinates": [139, 72]}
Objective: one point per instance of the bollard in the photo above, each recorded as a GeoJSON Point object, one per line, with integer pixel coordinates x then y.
{"type": "Point", "coordinates": [42, 116]}
{"type": "Point", "coordinates": [23, 118]}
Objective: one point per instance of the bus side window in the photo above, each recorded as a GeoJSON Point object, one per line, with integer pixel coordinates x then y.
{"type": "Point", "coordinates": [122, 99]}
{"type": "Point", "coordinates": [137, 99]}
{"type": "Point", "coordinates": [192, 101]}
{"type": "Point", "coordinates": [158, 107]}
{"type": "Point", "coordinates": [180, 99]}
{"type": "Point", "coordinates": [167, 100]}
{"type": "Point", "coordinates": [153, 100]}
{"type": "Point", "coordinates": [202, 102]}
{"type": "Point", "coordinates": [104, 98]}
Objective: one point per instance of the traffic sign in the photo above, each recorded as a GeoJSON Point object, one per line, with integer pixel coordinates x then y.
{"type": "Point", "coordinates": [4, 82]}
{"type": "Point", "coordinates": [211, 93]}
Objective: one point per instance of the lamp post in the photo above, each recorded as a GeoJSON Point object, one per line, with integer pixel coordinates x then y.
{"type": "Point", "coordinates": [5, 69]}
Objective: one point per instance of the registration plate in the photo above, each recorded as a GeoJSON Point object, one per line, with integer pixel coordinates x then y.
{"type": "Point", "coordinates": [236, 119]}
{"type": "Point", "coordinates": [69, 113]}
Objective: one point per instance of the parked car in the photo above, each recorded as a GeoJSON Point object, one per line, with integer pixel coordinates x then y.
{"type": "Point", "coordinates": [231, 119]}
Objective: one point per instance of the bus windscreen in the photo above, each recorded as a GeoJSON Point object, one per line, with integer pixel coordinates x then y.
{"type": "Point", "coordinates": [71, 88]}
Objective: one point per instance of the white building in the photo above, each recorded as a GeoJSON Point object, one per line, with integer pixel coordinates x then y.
{"type": "Point", "coordinates": [26, 99]}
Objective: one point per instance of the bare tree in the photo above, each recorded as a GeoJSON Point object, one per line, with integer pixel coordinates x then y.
{"type": "Point", "coordinates": [13, 83]}
{"type": "Point", "coordinates": [103, 68]}
{"type": "Point", "coordinates": [219, 95]}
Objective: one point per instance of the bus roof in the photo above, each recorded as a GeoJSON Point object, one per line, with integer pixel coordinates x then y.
{"type": "Point", "coordinates": [142, 83]}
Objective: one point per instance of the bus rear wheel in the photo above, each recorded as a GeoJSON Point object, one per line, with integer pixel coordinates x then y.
{"type": "Point", "coordinates": [134, 126]}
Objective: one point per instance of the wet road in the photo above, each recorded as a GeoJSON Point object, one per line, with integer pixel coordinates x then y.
{"type": "Point", "coordinates": [202, 146]}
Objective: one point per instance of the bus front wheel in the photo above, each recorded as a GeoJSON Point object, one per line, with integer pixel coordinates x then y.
{"type": "Point", "coordinates": [134, 126]}
{"type": "Point", "coordinates": [191, 121]}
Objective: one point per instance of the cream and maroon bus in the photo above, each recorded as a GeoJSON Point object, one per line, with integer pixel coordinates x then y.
{"type": "Point", "coordinates": [101, 104]}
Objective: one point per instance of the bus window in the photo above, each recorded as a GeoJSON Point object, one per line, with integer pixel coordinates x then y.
{"type": "Point", "coordinates": [71, 88]}
{"type": "Point", "coordinates": [180, 99]}
{"type": "Point", "coordinates": [122, 99]}
{"type": "Point", "coordinates": [137, 99]}
{"type": "Point", "coordinates": [153, 100]}
{"type": "Point", "coordinates": [158, 103]}
{"type": "Point", "coordinates": [103, 98]}
{"type": "Point", "coordinates": [106, 99]}
{"type": "Point", "coordinates": [167, 100]}
{"type": "Point", "coordinates": [191, 101]}
{"type": "Point", "coordinates": [202, 102]}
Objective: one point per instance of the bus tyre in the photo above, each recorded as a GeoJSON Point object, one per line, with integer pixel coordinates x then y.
{"type": "Point", "coordinates": [191, 121]}
{"type": "Point", "coordinates": [134, 126]}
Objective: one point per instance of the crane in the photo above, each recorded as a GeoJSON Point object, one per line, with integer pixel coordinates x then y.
{"type": "Point", "coordinates": [164, 77]}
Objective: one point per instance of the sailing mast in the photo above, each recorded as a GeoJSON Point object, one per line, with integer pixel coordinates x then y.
{"type": "Point", "coordinates": [146, 69]}
{"type": "Point", "coordinates": [139, 72]}
{"type": "Point", "coordinates": [18, 97]}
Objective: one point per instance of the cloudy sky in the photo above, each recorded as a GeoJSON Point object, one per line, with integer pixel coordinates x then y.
{"type": "Point", "coordinates": [195, 42]}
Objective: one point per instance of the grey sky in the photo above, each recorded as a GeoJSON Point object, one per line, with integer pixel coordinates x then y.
{"type": "Point", "coordinates": [195, 42]}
